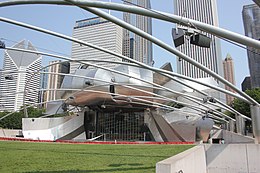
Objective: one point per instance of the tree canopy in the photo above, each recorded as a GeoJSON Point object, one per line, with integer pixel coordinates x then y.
{"type": "Point", "coordinates": [14, 121]}
{"type": "Point", "coordinates": [243, 107]}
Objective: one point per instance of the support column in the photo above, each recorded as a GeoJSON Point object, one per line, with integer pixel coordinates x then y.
{"type": "Point", "coordinates": [225, 126]}
{"type": "Point", "coordinates": [255, 115]}
{"type": "Point", "coordinates": [231, 125]}
{"type": "Point", "coordinates": [240, 125]}
{"type": "Point", "coordinates": [25, 112]}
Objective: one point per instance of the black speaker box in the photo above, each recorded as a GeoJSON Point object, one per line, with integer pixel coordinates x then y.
{"type": "Point", "coordinates": [200, 40]}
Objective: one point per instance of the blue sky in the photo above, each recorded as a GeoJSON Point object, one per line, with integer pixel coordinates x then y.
{"type": "Point", "coordinates": [62, 19]}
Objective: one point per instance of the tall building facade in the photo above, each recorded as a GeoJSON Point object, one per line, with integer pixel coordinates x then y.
{"type": "Point", "coordinates": [257, 2]}
{"type": "Point", "coordinates": [100, 32]}
{"type": "Point", "coordinates": [55, 81]}
{"type": "Point", "coordinates": [1, 106]}
{"type": "Point", "coordinates": [14, 85]}
{"type": "Point", "coordinates": [229, 75]}
{"type": "Point", "coordinates": [43, 85]}
{"type": "Point", "coordinates": [134, 46]}
{"type": "Point", "coordinates": [204, 11]}
{"type": "Point", "coordinates": [251, 19]}
{"type": "Point", "coordinates": [246, 84]}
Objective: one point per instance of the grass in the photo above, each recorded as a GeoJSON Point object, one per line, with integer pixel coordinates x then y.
{"type": "Point", "coordinates": [57, 157]}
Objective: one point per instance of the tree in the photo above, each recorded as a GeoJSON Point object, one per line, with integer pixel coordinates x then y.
{"type": "Point", "coordinates": [243, 107]}
{"type": "Point", "coordinates": [14, 121]}
{"type": "Point", "coordinates": [33, 112]}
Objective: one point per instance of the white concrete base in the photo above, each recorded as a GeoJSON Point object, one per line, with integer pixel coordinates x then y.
{"type": "Point", "coordinates": [10, 133]}
{"type": "Point", "coordinates": [192, 161]}
{"type": "Point", "coordinates": [232, 137]}
{"type": "Point", "coordinates": [61, 128]}
{"type": "Point", "coordinates": [216, 158]}
{"type": "Point", "coordinates": [233, 158]}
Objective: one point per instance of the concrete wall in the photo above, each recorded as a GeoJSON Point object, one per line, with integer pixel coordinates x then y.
{"type": "Point", "coordinates": [9, 133]}
{"type": "Point", "coordinates": [233, 158]}
{"type": "Point", "coordinates": [43, 123]}
{"type": "Point", "coordinates": [189, 161]}
{"type": "Point", "coordinates": [231, 137]}
{"type": "Point", "coordinates": [216, 158]}
{"type": "Point", "coordinates": [63, 128]}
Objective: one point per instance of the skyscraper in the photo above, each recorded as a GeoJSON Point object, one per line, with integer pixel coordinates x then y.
{"type": "Point", "coordinates": [22, 80]}
{"type": "Point", "coordinates": [100, 32]}
{"type": "Point", "coordinates": [43, 85]}
{"type": "Point", "coordinates": [204, 11]}
{"type": "Point", "coordinates": [134, 46]}
{"type": "Point", "coordinates": [257, 2]}
{"type": "Point", "coordinates": [229, 75]}
{"type": "Point", "coordinates": [55, 81]}
{"type": "Point", "coordinates": [251, 18]}
{"type": "Point", "coordinates": [246, 84]}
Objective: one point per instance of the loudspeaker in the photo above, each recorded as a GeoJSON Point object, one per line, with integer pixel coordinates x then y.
{"type": "Point", "coordinates": [200, 40]}
{"type": "Point", "coordinates": [178, 36]}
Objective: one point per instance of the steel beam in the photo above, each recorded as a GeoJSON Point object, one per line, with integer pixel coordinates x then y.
{"type": "Point", "coordinates": [189, 97]}
{"type": "Point", "coordinates": [164, 46]}
{"type": "Point", "coordinates": [222, 33]}
{"type": "Point", "coordinates": [163, 16]}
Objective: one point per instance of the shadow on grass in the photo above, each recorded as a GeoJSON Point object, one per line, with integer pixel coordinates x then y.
{"type": "Point", "coordinates": [129, 164]}
{"type": "Point", "coordinates": [97, 170]}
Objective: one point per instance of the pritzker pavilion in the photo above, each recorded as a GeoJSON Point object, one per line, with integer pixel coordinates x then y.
{"type": "Point", "coordinates": [133, 101]}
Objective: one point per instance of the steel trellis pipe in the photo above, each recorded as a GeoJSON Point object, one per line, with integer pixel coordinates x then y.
{"type": "Point", "coordinates": [252, 101]}
{"type": "Point", "coordinates": [235, 37]}
{"type": "Point", "coordinates": [61, 57]}
{"type": "Point", "coordinates": [166, 47]}
{"type": "Point", "coordinates": [220, 32]}
{"type": "Point", "coordinates": [104, 68]}
{"type": "Point", "coordinates": [101, 49]}
{"type": "Point", "coordinates": [53, 33]}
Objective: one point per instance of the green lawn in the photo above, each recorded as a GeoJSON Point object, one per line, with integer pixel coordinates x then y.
{"type": "Point", "coordinates": [56, 157]}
